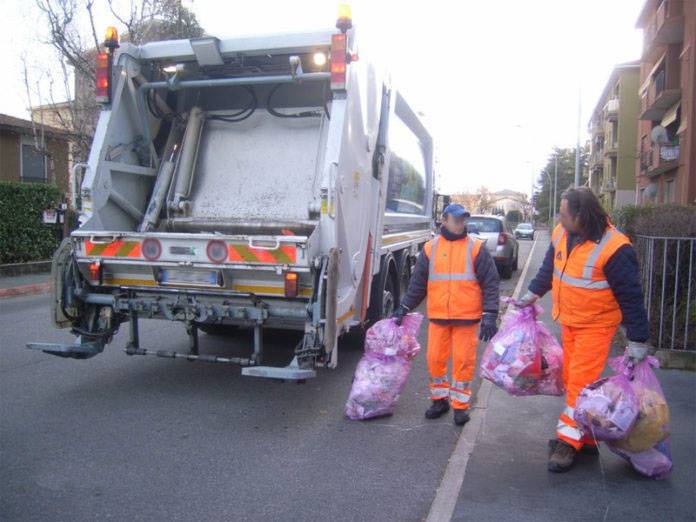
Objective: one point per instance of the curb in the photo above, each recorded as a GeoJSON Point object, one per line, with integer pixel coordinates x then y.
{"type": "Point", "coordinates": [40, 288]}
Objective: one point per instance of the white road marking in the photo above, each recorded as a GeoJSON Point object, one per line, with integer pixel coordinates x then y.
{"type": "Point", "coordinates": [442, 508]}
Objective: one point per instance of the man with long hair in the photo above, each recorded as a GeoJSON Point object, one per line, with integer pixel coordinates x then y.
{"type": "Point", "coordinates": [592, 271]}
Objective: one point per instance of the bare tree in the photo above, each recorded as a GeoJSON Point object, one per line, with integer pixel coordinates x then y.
{"type": "Point", "coordinates": [143, 20]}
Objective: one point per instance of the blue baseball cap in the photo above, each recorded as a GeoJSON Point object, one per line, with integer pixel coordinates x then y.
{"type": "Point", "coordinates": [455, 210]}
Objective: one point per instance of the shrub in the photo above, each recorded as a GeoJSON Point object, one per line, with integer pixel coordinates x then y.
{"type": "Point", "coordinates": [666, 220]}
{"type": "Point", "coordinates": [23, 235]}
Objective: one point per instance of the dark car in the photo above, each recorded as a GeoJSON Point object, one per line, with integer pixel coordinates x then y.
{"type": "Point", "coordinates": [524, 231]}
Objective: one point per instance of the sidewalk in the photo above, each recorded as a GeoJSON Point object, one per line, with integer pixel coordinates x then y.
{"type": "Point", "coordinates": [506, 477]}
{"type": "Point", "coordinates": [25, 285]}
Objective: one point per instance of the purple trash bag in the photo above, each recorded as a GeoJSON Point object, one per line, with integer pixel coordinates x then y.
{"type": "Point", "coordinates": [655, 462]}
{"type": "Point", "coordinates": [384, 368]}
{"type": "Point", "coordinates": [607, 408]}
{"type": "Point", "coordinates": [646, 446]}
{"type": "Point", "coordinates": [524, 358]}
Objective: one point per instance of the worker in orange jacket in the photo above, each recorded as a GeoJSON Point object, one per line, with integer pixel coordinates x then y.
{"type": "Point", "coordinates": [592, 271]}
{"type": "Point", "coordinates": [460, 279]}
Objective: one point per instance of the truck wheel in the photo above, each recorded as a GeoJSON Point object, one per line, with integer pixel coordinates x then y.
{"type": "Point", "coordinates": [404, 274]}
{"type": "Point", "coordinates": [388, 298]}
{"type": "Point", "coordinates": [384, 290]}
{"type": "Point", "coordinates": [515, 262]}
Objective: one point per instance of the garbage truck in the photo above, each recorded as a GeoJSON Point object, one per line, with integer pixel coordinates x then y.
{"type": "Point", "coordinates": [277, 181]}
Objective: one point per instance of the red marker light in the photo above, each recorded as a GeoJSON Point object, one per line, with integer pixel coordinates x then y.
{"type": "Point", "coordinates": [103, 94]}
{"type": "Point", "coordinates": [338, 61]}
{"type": "Point", "coordinates": [290, 284]}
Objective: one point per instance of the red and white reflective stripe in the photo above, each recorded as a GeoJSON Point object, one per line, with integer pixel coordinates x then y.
{"type": "Point", "coordinates": [569, 411]}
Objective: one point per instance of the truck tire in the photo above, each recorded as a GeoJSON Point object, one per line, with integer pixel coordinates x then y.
{"type": "Point", "coordinates": [404, 274]}
{"type": "Point", "coordinates": [384, 290]}
{"type": "Point", "coordinates": [515, 262]}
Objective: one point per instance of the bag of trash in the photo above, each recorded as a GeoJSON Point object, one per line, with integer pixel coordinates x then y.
{"type": "Point", "coordinates": [384, 368]}
{"type": "Point", "coordinates": [524, 358]}
{"type": "Point", "coordinates": [608, 408]}
{"type": "Point", "coordinates": [655, 462]}
{"type": "Point", "coordinates": [646, 446]}
{"type": "Point", "coordinates": [652, 424]}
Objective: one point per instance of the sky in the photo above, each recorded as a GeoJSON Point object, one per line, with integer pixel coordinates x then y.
{"type": "Point", "coordinates": [497, 82]}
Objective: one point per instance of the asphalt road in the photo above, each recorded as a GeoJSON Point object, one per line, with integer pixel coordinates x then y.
{"type": "Point", "coordinates": [141, 438]}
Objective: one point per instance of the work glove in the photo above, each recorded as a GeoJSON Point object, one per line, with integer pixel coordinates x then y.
{"type": "Point", "coordinates": [528, 299]}
{"type": "Point", "coordinates": [488, 326]}
{"type": "Point", "coordinates": [637, 351]}
{"type": "Point", "coordinates": [399, 313]}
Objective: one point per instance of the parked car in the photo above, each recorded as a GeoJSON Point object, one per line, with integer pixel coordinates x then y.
{"type": "Point", "coordinates": [524, 231]}
{"type": "Point", "coordinates": [500, 241]}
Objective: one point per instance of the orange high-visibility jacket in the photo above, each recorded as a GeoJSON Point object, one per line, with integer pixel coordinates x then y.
{"type": "Point", "coordinates": [453, 290]}
{"type": "Point", "coordinates": [580, 290]}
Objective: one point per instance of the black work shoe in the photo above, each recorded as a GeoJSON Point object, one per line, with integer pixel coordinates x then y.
{"type": "Point", "coordinates": [562, 457]}
{"type": "Point", "coordinates": [461, 417]}
{"type": "Point", "coordinates": [438, 408]}
{"type": "Point", "coordinates": [587, 449]}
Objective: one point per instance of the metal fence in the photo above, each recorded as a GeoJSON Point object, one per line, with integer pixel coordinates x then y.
{"type": "Point", "coordinates": [668, 267]}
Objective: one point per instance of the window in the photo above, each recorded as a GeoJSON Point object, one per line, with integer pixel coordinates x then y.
{"type": "Point", "coordinates": [32, 162]}
{"type": "Point", "coordinates": [668, 196]}
{"type": "Point", "coordinates": [406, 187]}
{"type": "Point", "coordinates": [485, 224]}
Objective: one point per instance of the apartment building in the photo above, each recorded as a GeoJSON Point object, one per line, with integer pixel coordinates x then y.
{"type": "Point", "coordinates": [613, 131]}
{"type": "Point", "coordinates": [666, 165]}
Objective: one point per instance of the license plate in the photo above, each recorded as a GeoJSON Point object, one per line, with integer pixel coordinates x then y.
{"type": "Point", "coordinates": [176, 276]}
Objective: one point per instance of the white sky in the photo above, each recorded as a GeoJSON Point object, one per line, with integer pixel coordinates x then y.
{"type": "Point", "coordinates": [497, 81]}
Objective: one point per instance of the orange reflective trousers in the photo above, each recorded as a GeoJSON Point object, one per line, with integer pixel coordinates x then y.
{"type": "Point", "coordinates": [458, 342]}
{"type": "Point", "coordinates": [585, 352]}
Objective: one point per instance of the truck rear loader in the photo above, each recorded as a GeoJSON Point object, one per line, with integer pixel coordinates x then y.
{"type": "Point", "coordinates": [275, 181]}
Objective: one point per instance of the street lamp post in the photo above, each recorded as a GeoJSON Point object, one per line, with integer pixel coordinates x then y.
{"type": "Point", "coordinates": [555, 185]}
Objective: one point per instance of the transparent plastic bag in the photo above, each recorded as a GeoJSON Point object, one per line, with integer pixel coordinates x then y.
{"type": "Point", "coordinates": [607, 408]}
{"type": "Point", "coordinates": [524, 358]}
{"type": "Point", "coordinates": [646, 446]}
{"type": "Point", "coordinates": [384, 368]}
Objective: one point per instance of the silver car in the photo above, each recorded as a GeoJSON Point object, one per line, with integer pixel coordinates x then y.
{"type": "Point", "coordinates": [500, 241]}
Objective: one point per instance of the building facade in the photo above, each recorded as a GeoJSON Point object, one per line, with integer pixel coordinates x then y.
{"type": "Point", "coordinates": [32, 157]}
{"type": "Point", "coordinates": [613, 131]}
{"type": "Point", "coordinates": [666, 166]}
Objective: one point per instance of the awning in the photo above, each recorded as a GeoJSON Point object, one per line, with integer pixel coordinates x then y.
{"type": "Point", "coordinates": [671, 115]}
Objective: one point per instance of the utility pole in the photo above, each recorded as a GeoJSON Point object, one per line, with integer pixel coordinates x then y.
{"type": "Point", "coordinates": [555, 185]}
{"type": "Point", "coordinates": [548, 177]}
{"type": "Point", "coordinates": [577, 144]}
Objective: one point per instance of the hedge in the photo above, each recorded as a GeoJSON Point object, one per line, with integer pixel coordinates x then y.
{"type": "Point", "coordinates": [23, 235]}
{"type": "Point", "coordinates": [664, 220]}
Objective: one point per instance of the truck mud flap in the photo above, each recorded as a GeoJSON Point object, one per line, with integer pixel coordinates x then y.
{"type": "Point", "coordinates": [77, 350]}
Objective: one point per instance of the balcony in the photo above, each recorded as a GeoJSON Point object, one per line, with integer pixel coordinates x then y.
{"type": "Point", "coordinates": [658, 159]}
{"type": "Point", "coordinates": [662, 88]}
{"type": "Point", "coordinates": [665, 27]}
{"type": "Point", "coordinates": [669, 22]}
{"type": "Point", "coordinates": [611, 109]}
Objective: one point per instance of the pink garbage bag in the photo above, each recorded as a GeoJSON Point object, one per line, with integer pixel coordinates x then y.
{"type": "Point", "coordinates": [384, 368]}
{"type": "Point", "coordinates": [646, 445]}
{"type": "Point", "coordinates": [607, 408]}
{"type": "Point", "coordinates": [524, 358]}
